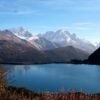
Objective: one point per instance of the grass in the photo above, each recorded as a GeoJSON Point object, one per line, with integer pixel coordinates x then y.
{"type": "Point", "coordinates": [15, 93]}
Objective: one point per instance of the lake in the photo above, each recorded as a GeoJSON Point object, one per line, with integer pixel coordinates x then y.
{"type": "Point", "coordinates": [56, 77]}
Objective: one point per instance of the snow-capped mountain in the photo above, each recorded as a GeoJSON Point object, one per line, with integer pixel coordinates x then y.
{"type": "Point", "coordinates": [38, 49]}
{"type": "Point", "coordinates": [51, 40]}
{"type": "Point", "coordinates": [39, 42]}
{"type": "Point", "coordinates": [63, 38]}
{"type": "Point", "coordinates": [21, 32]}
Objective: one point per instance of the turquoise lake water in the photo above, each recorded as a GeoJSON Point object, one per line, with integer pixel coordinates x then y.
{"type": "Point", "coordinates": [56, 77]}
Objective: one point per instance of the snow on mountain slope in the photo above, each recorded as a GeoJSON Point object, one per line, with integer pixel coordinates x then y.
{"type": "Point", "coordinates": [18, 51]}
{"type": "Point", "coordinates": [42, 43]}
{"type": "Point", "coordinates": [39, 42]}
{"type": "Point", "coordinates": [21, 32]}
{"type": "Point", "coordinates": [7, 35]}
{"type": "Point", "coordinates": [64, 38]}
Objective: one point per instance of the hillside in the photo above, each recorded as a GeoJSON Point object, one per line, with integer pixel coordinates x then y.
{"type": "Point", "coordinates": [16, 50]}
{"type": "Point", "coordinates": [65, 54]}
{"type": "Point", "coordinates": [94, 58]}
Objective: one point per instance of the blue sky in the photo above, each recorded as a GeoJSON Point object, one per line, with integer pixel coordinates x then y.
{"type": "Point", "coordinates": [77, 16]}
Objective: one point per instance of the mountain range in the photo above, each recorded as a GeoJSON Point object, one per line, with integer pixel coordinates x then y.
{"type": "Point", "coordinates": [21, 46]}
{"type": "Point", "coordinates": [51, 40]}
{"type": "Point", "coordinates": [63, 38]}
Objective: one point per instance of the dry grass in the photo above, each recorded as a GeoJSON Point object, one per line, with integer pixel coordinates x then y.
{"type": "Point", "coordinates": [13, 93]}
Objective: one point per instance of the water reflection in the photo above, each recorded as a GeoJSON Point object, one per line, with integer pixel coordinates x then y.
{"type": "Point", "coordinates": [53, 77]}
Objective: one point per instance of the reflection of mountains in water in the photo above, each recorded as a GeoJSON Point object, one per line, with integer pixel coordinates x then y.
{"type": "Point", "coordinates": [20, 68]}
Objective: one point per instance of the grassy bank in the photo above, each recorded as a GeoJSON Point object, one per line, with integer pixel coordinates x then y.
{"type": "Point", "coordinates": [15, 93]}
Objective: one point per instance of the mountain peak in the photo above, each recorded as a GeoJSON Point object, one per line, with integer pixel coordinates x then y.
{"type": "Point", "coordinates": [64, 38]}
{"type": "Point", "coordinates": [62, 31]}
{"type": "Point", "coordinates": [59, 36]}
{"type": "Point", "coordinates": [21, 32]}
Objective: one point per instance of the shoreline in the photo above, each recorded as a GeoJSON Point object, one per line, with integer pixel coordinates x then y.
{"type": "Point", "coordinates": [75, 63]}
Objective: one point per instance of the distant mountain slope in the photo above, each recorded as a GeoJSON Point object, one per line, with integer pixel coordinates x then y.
{"type": "Point", "coordinates": [94, 58]}
{"type": "Point", "coordinates": [16, 50]}
{"type": "Point", "coordinates": [9, 36]}
{"type": "Point", "coordinates": [63, 38]}
{"type": "Point", "coordinates": [66, 54]}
